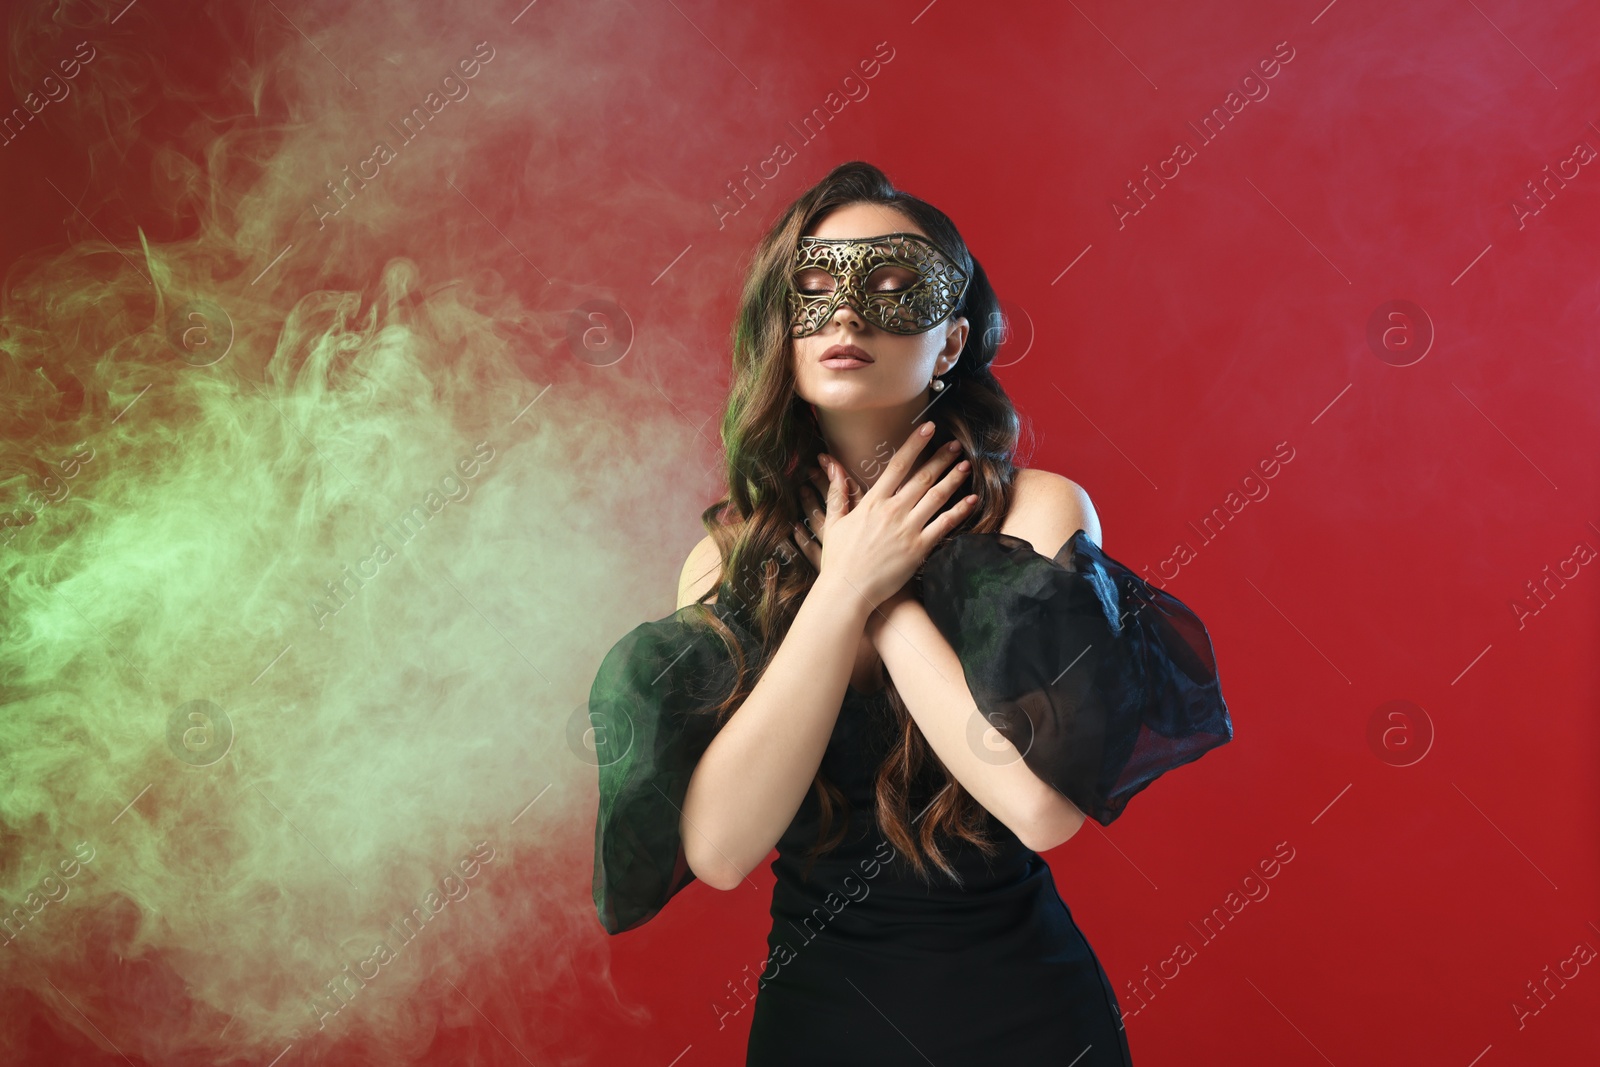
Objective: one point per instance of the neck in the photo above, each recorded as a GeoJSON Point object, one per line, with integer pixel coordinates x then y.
{"type": "Point", "coordinates": [864, 440]}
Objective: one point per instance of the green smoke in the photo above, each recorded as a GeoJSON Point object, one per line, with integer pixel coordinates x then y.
{"type": "Point", "coordinates": [317, 522]}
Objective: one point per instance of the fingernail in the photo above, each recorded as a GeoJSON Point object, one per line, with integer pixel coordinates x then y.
{"type": "Point", "coordinates": [927, 428]}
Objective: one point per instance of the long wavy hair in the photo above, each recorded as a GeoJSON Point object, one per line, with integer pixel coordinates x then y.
{"type": "Point", "coordinates": [771, 437]}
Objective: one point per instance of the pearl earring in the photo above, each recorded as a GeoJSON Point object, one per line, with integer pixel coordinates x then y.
{"type": "Point", "coordinates": [936, 384]}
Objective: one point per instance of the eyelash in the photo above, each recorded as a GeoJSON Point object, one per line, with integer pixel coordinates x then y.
{"type": "Point", "coordinates": [895, 289]}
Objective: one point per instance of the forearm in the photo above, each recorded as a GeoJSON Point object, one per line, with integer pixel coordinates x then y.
{"type": "Point", "coordinates": [929, 677]}
{"type": "Point", "coordinates": [754, 775]}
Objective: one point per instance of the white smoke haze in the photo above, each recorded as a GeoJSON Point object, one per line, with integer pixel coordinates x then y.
{"type": "Point", "coordinates": [324, 502]}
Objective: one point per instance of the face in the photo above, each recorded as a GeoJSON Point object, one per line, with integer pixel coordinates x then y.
{"type": "Point", "coordinates": [901, 364]}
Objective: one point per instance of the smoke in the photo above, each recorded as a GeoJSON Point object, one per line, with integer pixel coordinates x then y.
{"type": "Point", "coordinates": [315, 491]}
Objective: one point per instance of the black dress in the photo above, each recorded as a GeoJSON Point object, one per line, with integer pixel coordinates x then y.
{"type": "Point", "coordinates": [1101, 682]}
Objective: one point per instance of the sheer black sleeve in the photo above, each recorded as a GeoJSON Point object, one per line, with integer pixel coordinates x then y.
{"type": "Point", "coordinates": [1102, 682]}
{"type": "Point", "coordinates": [651, 709]}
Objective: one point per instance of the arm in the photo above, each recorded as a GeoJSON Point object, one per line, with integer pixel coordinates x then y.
{"type": "Point", "coordinates": [930, 679]}
{"type": "Point", "coordinates": [752, 778]}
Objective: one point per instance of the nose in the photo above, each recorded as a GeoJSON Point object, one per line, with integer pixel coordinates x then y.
{"type": "Point", "coordinates": [846, 312]}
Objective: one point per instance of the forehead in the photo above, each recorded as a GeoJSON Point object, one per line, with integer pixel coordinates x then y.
{"type": "Point", "coordinates": [863, 220]}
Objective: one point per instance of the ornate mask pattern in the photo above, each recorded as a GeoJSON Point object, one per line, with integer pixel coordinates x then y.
{"type": "Point", "coordinates": [871, 273]}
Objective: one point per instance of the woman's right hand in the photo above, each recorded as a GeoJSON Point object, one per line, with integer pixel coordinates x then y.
{"type": "Point", "coordinates": [875, 544]}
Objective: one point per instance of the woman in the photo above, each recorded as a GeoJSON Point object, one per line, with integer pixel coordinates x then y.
{"type": "Point", "coordinates": [936, 678]}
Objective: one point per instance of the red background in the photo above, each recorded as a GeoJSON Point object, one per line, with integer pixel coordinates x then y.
{"type": "Point", "coordinates": [1181, 349]}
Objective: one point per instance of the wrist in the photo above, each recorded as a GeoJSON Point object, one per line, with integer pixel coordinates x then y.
{"type": "Point", "coordinates": [841, 598]}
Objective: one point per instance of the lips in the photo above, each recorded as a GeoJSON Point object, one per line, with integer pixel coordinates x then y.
{"type": "Point", "coordinates": [846, 352]}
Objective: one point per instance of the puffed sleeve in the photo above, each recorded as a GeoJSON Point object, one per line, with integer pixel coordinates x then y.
{"type": "Point", "coordinates": [651, 708]}
{"type": "Point", "coordinates": [1102, 682]}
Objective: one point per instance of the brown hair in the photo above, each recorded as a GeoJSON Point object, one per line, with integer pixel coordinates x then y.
{"type": "Point", "coordinates": [771, 438]}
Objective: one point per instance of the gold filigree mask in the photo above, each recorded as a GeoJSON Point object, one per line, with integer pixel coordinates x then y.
{"type": "Point", "coordinates": [899, 282]}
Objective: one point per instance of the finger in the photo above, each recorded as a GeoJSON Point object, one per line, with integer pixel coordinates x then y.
{"type": "Point", "coordinates": [820, 482]}
{"type": "Point", "coordinates": [895, 471]}
{"type": "Point", "coordinates": [943, 490]}
{"type": "Point", "coordinates": [852, 487]}
{"type": "Point", "coordinates": [808, 547]}
{"type": "Point", "coordinates": [933, 468]}
{"type": "Point", "coordinates": [952, 517]}
{"type": "Point", "coordinates": [838, 491]}
{"type": "Point", "coordinates": [802, 551]}
{"type": "Point", "coordinates": [811, 509]}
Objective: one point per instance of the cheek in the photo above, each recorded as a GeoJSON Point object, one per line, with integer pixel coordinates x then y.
{"type": "Point", "coordinates": [799, 353]}
{"type": "Point", "coordinates": [902, 365]}
{"type": "Point", "coordinates": [918, 357]}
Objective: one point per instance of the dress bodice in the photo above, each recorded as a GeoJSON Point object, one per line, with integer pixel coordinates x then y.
{"type": "Point", "coordinates": [862, 889]}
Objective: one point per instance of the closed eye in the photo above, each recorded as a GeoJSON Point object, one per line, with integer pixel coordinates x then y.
{"type": "Point", "coordinates": [814, 282]}
{"type": "Point", "coordinates": [892, 279]}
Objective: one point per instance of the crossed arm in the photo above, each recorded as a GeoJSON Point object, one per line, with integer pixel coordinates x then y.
{"type": "Point", "coordinates": [737, 805]}
{"type": "Point", "coordinates": [930, 680]}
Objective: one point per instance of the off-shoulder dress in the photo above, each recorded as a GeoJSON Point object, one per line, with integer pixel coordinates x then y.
{"type": "Point", "coordinates": [1101, 683]}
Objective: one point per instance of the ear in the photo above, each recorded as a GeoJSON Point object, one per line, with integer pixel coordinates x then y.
{"type": "Point", "coordinates": [954, 341]}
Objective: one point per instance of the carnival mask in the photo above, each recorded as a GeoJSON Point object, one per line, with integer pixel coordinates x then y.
{"type": "Point", "coordinates": [900, 282]}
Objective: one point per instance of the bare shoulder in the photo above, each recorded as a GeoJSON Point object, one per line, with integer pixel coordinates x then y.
{"type": "Point", "coordinates": [1047, 509]}
{"type": "Point", "coordinates": [700, 572]}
